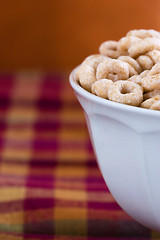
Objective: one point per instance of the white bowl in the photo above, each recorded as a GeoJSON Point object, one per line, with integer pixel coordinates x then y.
{"type": "Point", "coordinates": [126, 142]}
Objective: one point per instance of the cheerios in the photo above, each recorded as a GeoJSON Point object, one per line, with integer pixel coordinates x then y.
{"type": "Point", "coordinates": [91, 58]}
{"type": "Point", "coordinates": [100, 87]}
{"type": "Point", "coordinates": [151, 94]}
{"type": "Point", "coordinates": [150, 83]}
{"type": "Point", "coordinates": [125, 43]}
{"type": "Point", "coordinates": [136, 78]}
{"type": "Point", "coordinates": [145, 62]}
{"type": "Point", "coordinates": [87, 71]}
{"type": "Point", "coordinates": [154, 55]}
{"type": "Point", "coordinates": [132, 70]}
{"type": "Point", "coordinates": [143, 46]}
{"type": "Point", "coordinates": [112, 69]}
{"type": "Point", "coordinates": [155, 70]}
{"type": "Point", "coordinates": [125, 71]}
{"type": "Point", "coordinates": [144, 73]}
{"type": "Point", "coordinates": [109, 49]}
{"type": "Point", "coordinates": [126, 92]}
{"type": "Point", "coordinates": [156, 106]}
{"type": "Point", "coordinates": [132, 62]}
{"type": "Point", "coordinates": [149, 102]}
{"type": "Point", "coordinates": [142, 33]}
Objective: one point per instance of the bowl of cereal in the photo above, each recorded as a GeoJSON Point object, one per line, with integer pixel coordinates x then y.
{"type": "Point", "coordinates": [119, 91]}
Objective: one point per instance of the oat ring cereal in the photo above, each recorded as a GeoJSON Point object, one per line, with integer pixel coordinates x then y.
{"type": "Point", "coordinates": [125, 43]}
{"type": "Point", "coordinates": [148, 60]}
{"type": "Point", "coordinates": [145, 62]}
{"type": "Point", "coordinates": [154, 55]}
{"type": "Point", "coordinates": [156, 106]}
{"type": "Point", "coordinates": [87, 71]}
{"type": "Point", "coordinates": [136, 78]}
{"type": "Point", "coordinates": [149, 102]}
{"type": "Point", "coordinates": [109, 48]}
{"type": "Point", "coordinates": [126, 92]}
{"type": "Point", "coordinates": [143, 46]}
{"type": "Point", "coordinates": [126, 71]}
{"type": "Point", "coordinates": [150, 83]}
{"type": "Point", "coordinates": [101, 87]}
{"type": "Point", "coordinates": [144, 33]}
{"type": "Point", "coordinates": [144, 73]}
{"type": "Point", "coordinates": [151, 94]}
{"type": "Point", "coordinates": [155, 70]}
{"type": "Point", "coordinates": [152, 80]}
{"type": "Point", "coordinates": [112, 69]}
{"type": "Point", "coordinates": [134, 67]}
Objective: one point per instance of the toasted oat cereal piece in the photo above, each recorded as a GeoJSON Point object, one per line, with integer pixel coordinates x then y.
{"type": "Point", "coordinates": [150, 83]}
{"type": "Point", "coordinates": [125, 43]}
{"type": "Point", "coordinates": [109, 49]}
{"type": "Point", "coordinates": [149, 102]}
{"type": "Point", "coordinates": [151, 94]}
{"type": "Point", "coordinates": [143, 46]}
{"type": "Point", "coordinates": [145, 62]}
{"type": "Point", "coordinates": [93, 57]}
{"type": "Point", "coordinates": [155, 70]}
{"type": "Point", "coordinates": [142, 33]}
{"type": "Point", "coordinates": [154, 55]}
{"type": "Point", "coordinates": [156, 106]}
{"type": "Point", "coordinates": [144, 73]}
{"type": "Point", "coordinates": [100, 87]}
{"type": "Point", "coordinates": [136, 79]}
{"type": "Point", "coordinates": [132, 62]}
{"type": "Point", "coordinates": [132, 70]}
{"type": "Point", "coordinates": [112, 69]}
{"type": "Point", "coordinates": [126, 92]}
{"type": "Point", "coordinates": [87, 70]}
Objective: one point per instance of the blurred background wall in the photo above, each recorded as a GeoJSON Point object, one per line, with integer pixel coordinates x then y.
{"type": "Point", "coordinates": [56, 35]}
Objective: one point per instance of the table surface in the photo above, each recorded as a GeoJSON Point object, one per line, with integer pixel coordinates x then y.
{"type": "Point", "coordinates": [50, 184]}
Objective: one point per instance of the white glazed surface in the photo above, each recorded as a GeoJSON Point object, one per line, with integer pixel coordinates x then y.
{"type": "Point", "coordinates": [126, 141]}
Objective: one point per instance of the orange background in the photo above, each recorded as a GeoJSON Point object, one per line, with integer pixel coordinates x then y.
{"type": "Point", "coordinates": [59, 34]}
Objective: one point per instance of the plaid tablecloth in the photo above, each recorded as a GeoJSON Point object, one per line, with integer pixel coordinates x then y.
{"type": "Point", "coordinates": [50, 185]}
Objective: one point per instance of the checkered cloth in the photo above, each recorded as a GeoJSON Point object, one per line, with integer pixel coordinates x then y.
{"type": "Point", "coordinates": [50, 185]}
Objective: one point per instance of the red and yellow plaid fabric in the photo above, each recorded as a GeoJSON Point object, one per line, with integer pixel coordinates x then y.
{"type": "Point", "coordinates": [50, 185]}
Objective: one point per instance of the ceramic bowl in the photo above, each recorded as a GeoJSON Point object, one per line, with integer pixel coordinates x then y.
{"type": "Point", "coordinates": [126, 142]}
